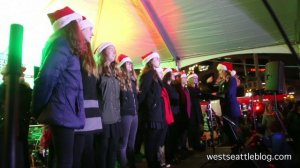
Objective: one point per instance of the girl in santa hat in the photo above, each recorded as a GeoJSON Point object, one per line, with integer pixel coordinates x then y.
{"type": "Point", "coordinates": [151, 107]}
{"type": "Point", "coordinates": [229, 104]}
{"type": "Point", "coordinates": [57, 94]}
{"type": "Point", "coordinates": [129, 108]}
{"type": "Point", "coordinates": [84, 138]}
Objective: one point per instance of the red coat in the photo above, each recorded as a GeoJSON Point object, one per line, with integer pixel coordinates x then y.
{"type": "Point", "coordinates": [168, 110]}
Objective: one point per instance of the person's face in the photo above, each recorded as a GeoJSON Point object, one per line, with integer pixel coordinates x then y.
{"type": "Point", "coordinates": [172, 77]}
{"type": "Point", "coordinates": [88, 33]}
{"type": "Point", "coordinates": [193, 81]}
{"type": "Point", "coordinates": [183, 81]}
{"type": "Point", "coordinates": [155, 62]}
{"type": "Point", "coordinates": [128, 66]}
{"type": "Point", "coordinates": [110, 53]}
{"type": "Point", "coordinates": [222, 73]}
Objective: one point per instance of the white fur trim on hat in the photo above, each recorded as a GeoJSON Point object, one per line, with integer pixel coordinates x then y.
{"type": "Point", "coordinates": [85, 24]}
{"type": "Point", "coordinates": [233, 72]}
{"type": "Point", "coordinates": [221, 67]}
{"type": "Point", "coordinates": [192, 76]}
{"type": "Point", "coordinates": [149, 57]}
{"type": "Point", "coordinates": [63, 21]}
{"type": "Point", "coordinates": [166, 71]}
{"type": "Point", "coordinates": [103, 46]}
{"type": "Point", "coordinates": [124, 60]}
{"type": "Point", "coordinates": [183, 75]}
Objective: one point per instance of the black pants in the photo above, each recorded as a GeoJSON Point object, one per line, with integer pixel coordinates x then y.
{"type": "Point", "coordinates": [107, 144]}
{"type": "Point", "coordinates": [83, 154]}
{"type": "Point", "coordinates": [152, 142]}
{"type": "Point", "coordinates": [63, 140]}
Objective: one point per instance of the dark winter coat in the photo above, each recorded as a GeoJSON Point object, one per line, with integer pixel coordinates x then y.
{"type": "Point", "coordinates": [57, 93]}
{"type": "Point", "coordinates": [150, 100]}
{"type": "Point", "coordinates": [129, 101]}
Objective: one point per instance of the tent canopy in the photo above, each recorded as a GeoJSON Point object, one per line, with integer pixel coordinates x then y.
{"type": "Point", "coordinates": [189, 30]}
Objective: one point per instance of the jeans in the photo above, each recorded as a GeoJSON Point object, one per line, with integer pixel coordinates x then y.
{"type": "Point", "coordinates": [129, 126]}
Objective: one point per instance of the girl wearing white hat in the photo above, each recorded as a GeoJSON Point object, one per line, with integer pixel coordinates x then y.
{"type": "Point", "coordinates": [109, 98]}
{"type": "Point", "coordinates": [151, 107]}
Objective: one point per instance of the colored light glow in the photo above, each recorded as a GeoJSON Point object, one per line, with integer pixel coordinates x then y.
{"type": "Point", "coordinates": [260, 70]}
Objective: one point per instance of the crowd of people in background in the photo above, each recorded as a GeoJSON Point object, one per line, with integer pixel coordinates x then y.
{"type": "Point", "coordinates": [99, 112]}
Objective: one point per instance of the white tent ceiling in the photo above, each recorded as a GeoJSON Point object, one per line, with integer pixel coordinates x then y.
{"type": "Point", "coordinates": [192, 30]}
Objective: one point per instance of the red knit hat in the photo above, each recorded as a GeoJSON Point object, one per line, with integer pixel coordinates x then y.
{"type": "Point", "coordinates": [226, 66]}
{"type": "Point", "coordinates": [175, 72]}
{"type": "Point", "coordinates": [146, 58]}
{"type": "Point", "coordinates": [84, 23]}
{"type": "Point", "coordinates": [62, 17]}
{"type": "Point", "coordinates": [122, 59]}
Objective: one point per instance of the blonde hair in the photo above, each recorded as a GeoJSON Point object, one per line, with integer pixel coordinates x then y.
{"type": "Point", "coordinates": [105, 67]}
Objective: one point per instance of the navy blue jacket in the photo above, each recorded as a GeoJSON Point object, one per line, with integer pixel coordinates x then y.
{"type": "Point", "coordinates": [229, 103]}
{"type": "Point", "coordinates": [129, 101]}
{"type": "Point", "coordinates": [58, 94]}
{"type": "Point", "coordinates": [150, 100]}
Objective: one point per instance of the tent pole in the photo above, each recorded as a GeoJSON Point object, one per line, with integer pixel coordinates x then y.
{"type": "Point", "coordinates": [159, 26]}
{"type": "Point", "coordinates": [257, 74]}
{"type": "Point", "coordinates": [245, 72]}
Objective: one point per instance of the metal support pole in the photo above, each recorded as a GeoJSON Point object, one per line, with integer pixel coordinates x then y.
{"type": "Point", "coordinates": [11, 98]}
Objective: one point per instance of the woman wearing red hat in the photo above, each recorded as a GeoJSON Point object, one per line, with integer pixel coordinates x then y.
{"type": "Point", "coordinates": [57, 95]}
{"type": "Point", "coordinates": [151, 107]}
{"type": "Point", "coordinates": [129, 109]}
{"type": "Point", "coordinates": [84, 138]}
{"type": "Point", "coordinates": [229, 103]}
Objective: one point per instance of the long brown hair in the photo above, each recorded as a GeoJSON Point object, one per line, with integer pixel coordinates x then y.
{"type": "Point", "coordinates": [89, 63]}
{"type": "Point", "coordinates": [126, 77]}
{"type": "Point", "coordinates": [148, 67]}
{"type": "Point", "coordinates": [106, 68]}
{"type": "Point", "coordinates": [75, 38]}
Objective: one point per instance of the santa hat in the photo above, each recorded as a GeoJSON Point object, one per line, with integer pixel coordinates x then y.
{"type": "Point", "coordinates": [102, 46]}
{"type": "Point", "coordinates": [193, 75]}
{"type": "Point", "coordinates": [166, 70]}
{"type": "Point", "coordinates": [84, 23]}
{"type": "Point", "coordinates": [146, 58]}
{"type": "Point", "coordinates": [62, 17]}
{"type": "Point", "coordinates": [183, 75]}
{"type": "Point", "coordinates": [175, 72]}
{"type": "Point", "coordinates": [122, 59]}
{"type": "Point", "coordinates": [226, 66]}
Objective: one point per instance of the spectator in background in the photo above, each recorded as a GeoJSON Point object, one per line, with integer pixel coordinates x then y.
{"type": "Point", "coordinates": [23, 118]}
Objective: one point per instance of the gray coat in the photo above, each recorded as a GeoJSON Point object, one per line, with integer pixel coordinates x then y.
{"type": "Point", "coordinates": [109, 99]}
